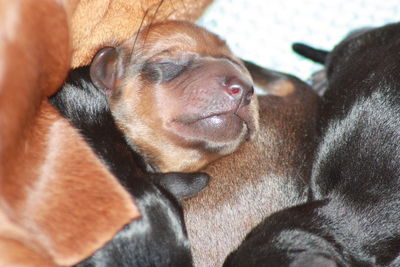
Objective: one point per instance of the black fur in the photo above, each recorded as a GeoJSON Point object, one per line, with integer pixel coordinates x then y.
{"type": "Point", "coordinates": [353, 216]}
{"type": "Point", "coordinates": [159, 237]}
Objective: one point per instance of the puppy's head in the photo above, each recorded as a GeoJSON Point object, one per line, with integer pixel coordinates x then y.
{"type": "Point", "coordinates": [179, 95]}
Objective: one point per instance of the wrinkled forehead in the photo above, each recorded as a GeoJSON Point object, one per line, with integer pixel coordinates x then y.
{"type": "Point", "coordinates": [176, 36]}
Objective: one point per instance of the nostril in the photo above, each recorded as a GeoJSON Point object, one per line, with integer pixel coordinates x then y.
{"type": "Point", "coordinates": [238, 88]}
{"type": "Point", "coordinates": [235, 89]}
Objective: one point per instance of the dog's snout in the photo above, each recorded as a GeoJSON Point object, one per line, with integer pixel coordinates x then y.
{"type": "Point", "coordinates": [238, 89]}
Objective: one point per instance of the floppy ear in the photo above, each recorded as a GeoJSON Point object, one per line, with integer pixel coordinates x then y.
{"type": "Point", "coordinates": [182, 185]}
{"type": "Point", "coordinates": [103, 69]}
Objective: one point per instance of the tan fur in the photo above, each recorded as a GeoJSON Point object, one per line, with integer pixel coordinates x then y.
{"type": "Point", "coordinates": [263, 176]}
{"type": "Point", "coordinates": [109, 22]}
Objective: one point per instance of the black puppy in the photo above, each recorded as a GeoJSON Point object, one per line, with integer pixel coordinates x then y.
{"type": "Point", "coordinates": [159, 237]}
{"type": "Point", "coordinates": [353, 216]}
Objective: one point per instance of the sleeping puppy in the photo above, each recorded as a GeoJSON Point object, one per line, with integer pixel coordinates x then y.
{"type": "Point", "coordinates": [178, 94]}
{"type": "Point", "coordinates": [265, 175]}
{"type": "Point", "coordinates": [159, 237]}
{"type": "Point", "coordinates": [352, 218]}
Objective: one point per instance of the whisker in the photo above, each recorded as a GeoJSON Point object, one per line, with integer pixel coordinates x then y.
{"type": "Point", "coordinates": [152, 20]}
{"type": "Point", "coordinates": [138, 31]}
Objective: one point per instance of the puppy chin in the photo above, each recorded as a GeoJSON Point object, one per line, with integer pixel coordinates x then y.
{"type": "Point", "coordinates": [225, 148]}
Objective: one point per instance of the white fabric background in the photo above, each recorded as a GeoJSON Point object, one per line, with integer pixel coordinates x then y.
{"type": "Point", "coordinates": [262, 31]}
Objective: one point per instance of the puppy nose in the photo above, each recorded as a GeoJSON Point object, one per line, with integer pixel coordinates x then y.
{"type": "Point", "coordinates": [239, 89]}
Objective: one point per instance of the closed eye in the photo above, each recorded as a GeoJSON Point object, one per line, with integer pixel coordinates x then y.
{"type": "Point", "coordinates": [165, 70]}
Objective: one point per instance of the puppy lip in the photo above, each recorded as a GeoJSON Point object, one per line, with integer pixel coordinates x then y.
{"type": "Point", "coordinates": [217, 115]}
{"type": "Point", "coordinates": [237, 110]}
{"type": "Point", "coordinates": [198, 117]}
{"type": "Point", "coordinates": [220, 127]}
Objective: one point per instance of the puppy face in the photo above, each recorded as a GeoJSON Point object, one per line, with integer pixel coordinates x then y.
{"type": "Point", "coordinates": [179, 95]}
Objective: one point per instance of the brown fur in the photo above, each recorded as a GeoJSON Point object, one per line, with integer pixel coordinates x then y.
{"type": "Point", "coordinates": [58, 203]}
{"type": "Point", "coordinates": [19, 78]}
{"type": "Point", "coordinates": [18, 254]}
{"type": "Point", "coordinates": [109, 22]}
{"type": "Point", "coordinates": [147, 111]}
{"type": "Point", "coordinates": [54, 174]}
{"type": "Point", "coordinates": [265, 175]}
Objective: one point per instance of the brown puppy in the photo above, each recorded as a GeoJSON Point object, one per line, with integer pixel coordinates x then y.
{"type": "Point", "coordinates": [265, 175]}
{"type": "Point", "coordinates": [178, 94]}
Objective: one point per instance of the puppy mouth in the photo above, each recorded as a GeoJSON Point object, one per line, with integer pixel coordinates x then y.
{"type": "Point", "coordinates": [190, 119]}
{"type": "Point", "coordinates": [223, 126]}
